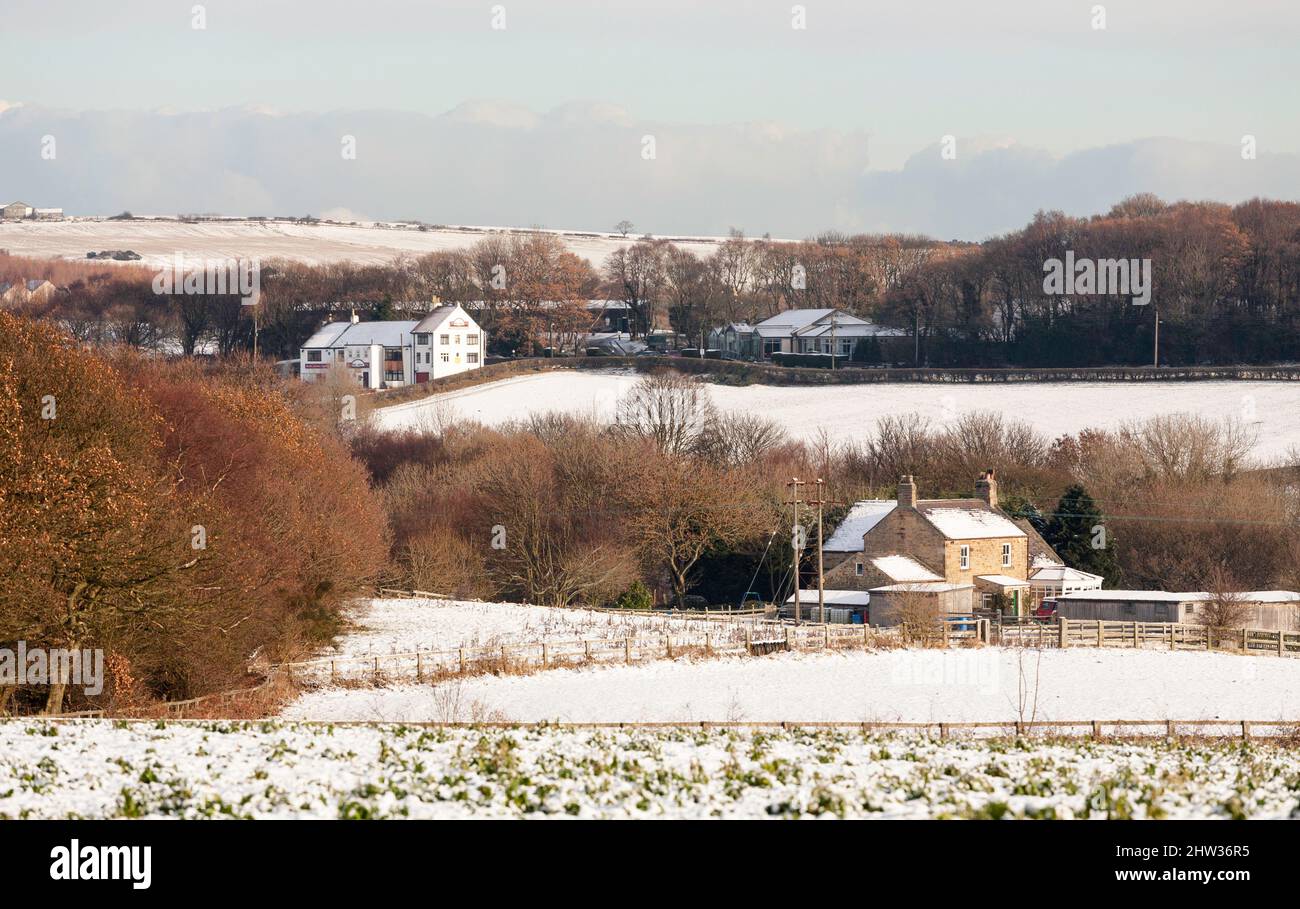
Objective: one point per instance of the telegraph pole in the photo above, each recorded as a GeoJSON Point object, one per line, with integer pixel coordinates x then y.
{"type": "Point", "coordinates": [821, 586]}
{"type": "Point", "coordinates": [795, 543]}
{"type": "Point", "coordinates": [832, 345]}
{"type": "Point", "coordinates": [1156, 361]}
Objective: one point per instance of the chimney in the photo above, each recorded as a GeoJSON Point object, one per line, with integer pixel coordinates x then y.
{"type": "Point", "coordinates": [986, 487]}
{"type": "Point", "coordinates": [907, 492]}
{"type": "Point", "coordinates": [355, 317]}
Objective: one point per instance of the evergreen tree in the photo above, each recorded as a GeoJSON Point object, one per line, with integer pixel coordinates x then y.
{"type": "Point", "coordinates": [1078, 533]}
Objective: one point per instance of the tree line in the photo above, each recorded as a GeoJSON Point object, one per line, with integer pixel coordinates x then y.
{"type": "Point", "coordinates": [1225, 281]}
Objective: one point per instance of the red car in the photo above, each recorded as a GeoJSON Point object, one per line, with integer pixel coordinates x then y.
{"type": "Point", "coordinates": [1046, 611]}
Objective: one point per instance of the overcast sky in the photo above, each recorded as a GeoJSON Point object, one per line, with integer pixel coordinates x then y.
{"type": "Point", "coordinates": [757, 124]}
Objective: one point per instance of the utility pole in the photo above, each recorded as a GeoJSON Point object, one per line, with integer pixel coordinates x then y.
{"type": "Point", "coordinates": [1156, 361]}
{"type": "Point", "coordinates": [916, 335]}
{"type": "Point", "coordinates": [832, 346]}
{"type": "Point", "coordinates": [796, 543]}
{"type": "Point", "coordinates": [821, 585]}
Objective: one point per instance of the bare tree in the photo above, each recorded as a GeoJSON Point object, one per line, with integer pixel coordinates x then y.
{"type": "Point", "coordinates": [670, 409]}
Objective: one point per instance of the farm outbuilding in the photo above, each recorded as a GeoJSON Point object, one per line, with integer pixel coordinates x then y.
{"type": "Point", "coordinates": [1268, 610]}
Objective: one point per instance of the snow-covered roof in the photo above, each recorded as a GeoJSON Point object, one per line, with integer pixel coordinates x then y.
{"type": "Point", "coordinates": [1003, 580]}
{"type": "Point", "coordinates": [862, 517]}
{"type": "Point", "coordinates": [937, 587]}
{"type": "Point", "coordinates": [1042, 560]}
{"type": "Point", "coordinates": [855, 329]}
{"type": "Point", "coordinates": [901, 568]}
{"type": "Point", "coordinates": [1167, 596]}
{"type": "Point", "coordinates": [326, 334]}
{"type": "Point", "coordinates": [345, 334]}
{"type": "Point", "coordinates": [785, 324]}
{"type": "Point", "coordinates": [1052, 572]}
{"type": "Point", "coordinates": [435, 320]}
{"type": "Point", "coordinates": [834, 597]}
{"type": "Point", "coordinates": [967, 519]}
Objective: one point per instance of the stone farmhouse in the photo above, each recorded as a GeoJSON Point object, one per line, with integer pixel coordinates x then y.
{"type": "Point", "coordinates": [949, 555]}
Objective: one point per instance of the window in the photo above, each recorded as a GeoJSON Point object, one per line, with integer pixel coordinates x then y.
{"type": "Point", "coordinates": [444, 339]}
{"type": "Point", "coordinates": [1162, 610]}
{"type": "Point", "coordinates": [446, 357]}
{"type": "Point", "coordinates": [471, 358]}
{"type": "Point", "coordinates": [965, 558]}
{"type": "Point", "coordinates": [313, 356]}
{"type": "Point", "coordinates": [422, 338]}
{"type": "Point", "coordinates": [471, 339]}
{"type": "Point", "coordinates": [1006, 555]}
{"type": "Point", "coordinates": [456, 339]}
{"type": "Point", "coordinates": [857, 569]}
{"type": "Point", "coordinates": [771, 346]}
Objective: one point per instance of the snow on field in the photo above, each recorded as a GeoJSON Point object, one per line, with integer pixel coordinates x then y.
{"type": "Point", "coordinates": [384, 626]}
{"type": "Point", "coordinates": [848, 412]}
{"type": "Point", "coordinates": [926, 686]}
{"type": "Point", "coordinates": [97, 769]}
{"type": "Point", "coordinates": [370, 243]}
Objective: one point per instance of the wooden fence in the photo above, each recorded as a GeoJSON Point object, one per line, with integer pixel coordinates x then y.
{"type": "Point", "coordinates": [749, 639]}
{"type": "Point", "coordinates": [1164, 635]}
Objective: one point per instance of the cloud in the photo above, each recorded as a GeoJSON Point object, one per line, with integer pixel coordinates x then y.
{"type": "Point", "coordinates": [581, 165]}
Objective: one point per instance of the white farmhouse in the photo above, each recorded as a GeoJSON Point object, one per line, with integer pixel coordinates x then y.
{"type": "Point", "coordinates": [393, 354]}
{"type": "Point", "coordinates": [447, 341]}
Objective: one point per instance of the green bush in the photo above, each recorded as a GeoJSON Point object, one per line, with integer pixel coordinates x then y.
{"type": "Point", "coordinates": [637, 596]}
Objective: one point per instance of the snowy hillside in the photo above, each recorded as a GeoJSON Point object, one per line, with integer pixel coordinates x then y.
{"type": "Point", "coordinates": [371, 243]}
{"type": "Point", "coordinates": [1270, 409]}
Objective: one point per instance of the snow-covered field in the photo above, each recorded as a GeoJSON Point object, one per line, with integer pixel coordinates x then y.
{"type": "Point", "coordinates": [370, 243]}
{"type": "Point", "coordinates": [913, 686]}
{"type": "Point", "coordinates": [95, 769]}
{"type": "Point", "coordinates": [848, 412]}
{"type": "Point", "coordinates": [386, 626]}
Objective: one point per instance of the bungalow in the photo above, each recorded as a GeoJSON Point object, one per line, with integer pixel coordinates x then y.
{"type": "Point", "coordinates": [824, 331]}
{"type": "Point", "coordinates": [954, 554]}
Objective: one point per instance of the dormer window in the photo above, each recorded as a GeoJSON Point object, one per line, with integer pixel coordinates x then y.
{"type": "Point", "coordinates": [965, 557]}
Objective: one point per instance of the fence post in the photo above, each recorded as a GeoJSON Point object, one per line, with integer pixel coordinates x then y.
{"type": "Point", "coordinates": [376, 668]}
{"type": "Point", "coordinates": [1062, 633]}
{"type": "Point", "coordinates": [945, 633]}
{"type": "Point", "coordinates": [1245, 642]}
{"type": "Point", "coordinates": [668, 645]}
{"type": "Point", "coordinates": [1245, 731]}
{"type": "Point", "coordinates": [332, 671]}
{"type": "Point", "coordinates": [1101, 642]}
{"type": "Point", "coordinates": [462, 660]}
{"type": "Point", "coordinates": [1171, 636]}
{"type": "Point", "coordinates": [749, 639]}
{"type": "Point", "coordinates": [545, 655]}
{"type": "Point", "coordinates": [826, 637]}
{"type": "Point", "coordinates": [708, 643]}
{"type": "Point", "coordinates": [1169, 728]}
{"type": "Point", "coordinates": [1135, 636]}
{"type": "Point", "coordinates": [627, 649]}
{"type": "Point", "coordinates": [1281, 642]}
{"type": "Point", "coordinates": [1209, 638]}
{"type": "Point", "coordinates": [586, 649]}
{"type": "Point", "coordinates": [1096, 729]}
{"type": "Point", "coordinates": [419, 666]}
